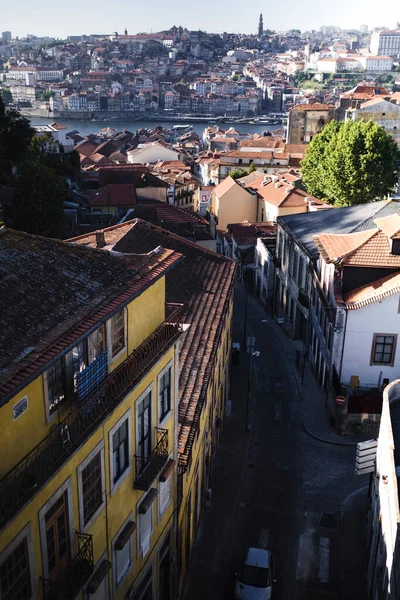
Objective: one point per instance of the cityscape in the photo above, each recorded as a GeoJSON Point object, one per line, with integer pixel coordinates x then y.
{"type": "Point", "coordinates": [199, 314]}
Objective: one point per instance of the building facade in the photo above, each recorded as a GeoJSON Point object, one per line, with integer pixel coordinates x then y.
{"type": "Point", "coordinates": [89, 401]}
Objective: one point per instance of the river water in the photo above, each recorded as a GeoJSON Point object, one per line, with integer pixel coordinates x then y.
{"type": "Point", "coordinates": [85, 127]}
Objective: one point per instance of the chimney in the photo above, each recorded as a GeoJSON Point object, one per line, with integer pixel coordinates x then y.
{"type": "Point", "coordinates": [100, 240]}
{"type": "Point", "coordinates": [307, 199]}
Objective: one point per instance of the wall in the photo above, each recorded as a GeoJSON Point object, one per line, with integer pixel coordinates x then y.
{"type": "Point", "coordinates": [379, 317]}
{"type": "Point", "coordinates": [236, 206]}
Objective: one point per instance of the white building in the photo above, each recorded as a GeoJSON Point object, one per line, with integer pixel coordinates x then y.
{"type": "Point", "coordinates": [151, 153]}
{"type": "Point", "coordinates": [344, 304]}
{"type": "Point", "coordinates": [58, 132]}
{"type": "Point", "coordinates": [376, 63]}
{"type": "Point", "coordinates": [385, 42]}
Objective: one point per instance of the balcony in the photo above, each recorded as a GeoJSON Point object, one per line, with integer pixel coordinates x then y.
{"type": "Point", "coordinates": [68, 585]}
{"type": "Point", "coordinates": [35, 469]}
{"type": "Point", "coordinates": [277, 261]}
{"type": "Point", "coordinates": [303, 298]}
{"type": "Point", "coordinates": [147, 468]}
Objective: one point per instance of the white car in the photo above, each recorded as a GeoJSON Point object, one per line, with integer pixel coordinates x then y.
{"type": "Point", "coordinates": [255, 576]}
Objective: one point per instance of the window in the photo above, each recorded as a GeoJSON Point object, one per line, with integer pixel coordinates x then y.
{"type": "Point", "coordinates": [143, 448]}
{"type": "Point", "coordinates": [117, 332]}
{"type": "Point", "coordinates": [383, 349]}
{"type": "Point", "coordinates": [91, 486]}
{"type": "Point", "coordinates": [119, 449]}
{"type": "Point", "coordinates": [58, 537]}
{"type": "Point", "coordinates": [164, 393]}
{"type": "Point", "coordinates": [15, 576]}
{"type": "Point", "coordinates": [164, 495]}
{"type": "Point", "coordinates": [55, 385]}
{"type": "Point", "coordinates": [145, 530]}
{"type": "Point", "coordinates": [96, 343]}
{"type": "Point", "coordinates": [123, 561]}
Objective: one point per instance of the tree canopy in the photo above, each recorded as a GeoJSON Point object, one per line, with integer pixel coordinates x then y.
{"type": "Point", "coordinates": [351, 163]}
{"type": "Point", "coordinates": [15, 136]}
{"type": "Point", "coordinates": [38, 203]}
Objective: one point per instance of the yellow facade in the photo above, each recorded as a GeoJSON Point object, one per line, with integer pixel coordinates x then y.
{"type": "Point", "coordinates": [196, 478]}
{"type": "Point", "coordinates": [118, 500]}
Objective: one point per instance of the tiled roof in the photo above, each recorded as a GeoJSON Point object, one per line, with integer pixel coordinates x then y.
{"type": "Point", "coordinates": [338, 220]}
{"type": "Point", "coordinates": [53, 292]}
{"type": "Point", "coordinates": [277, 192]}
{"type": "Point", "coordinates": [334, 246]}
{"type": "Point", "coordinates": [115, 194]}
{"type": "Point", "coordinates": [372, 292]}
{"type": "Point", "coordinates": [203, 282]}
{"type": "Point", "coordinates": [247, 233]}
{"type": "Point", "coordinates": [374, 253]}
{"type": "Point", "coordinates": [161, 212]}
{"type": "Point", "coordinates": [315, 105]}
{"type": "Point", "coordinates": [389, 225]}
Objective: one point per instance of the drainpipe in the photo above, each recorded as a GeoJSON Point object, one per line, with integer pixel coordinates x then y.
{"type": "Point", "coordinates": [344, 339]}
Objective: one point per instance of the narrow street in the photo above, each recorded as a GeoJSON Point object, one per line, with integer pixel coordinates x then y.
{"type": "Point", "coordinates": [278, 487]}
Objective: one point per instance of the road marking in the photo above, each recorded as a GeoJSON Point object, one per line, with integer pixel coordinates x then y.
{"type": "Point", "coordinates": [323, 574]}
{"type": "Point", "coordinates": [263, 539]}
{"type": "Point", "coordinates": [278, 410]}
{"type": "Point", "coordinates": [299, 570]}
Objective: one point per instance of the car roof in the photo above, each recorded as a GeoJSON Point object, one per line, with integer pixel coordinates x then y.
{"type": "Point", "coordinates": [258, 557]}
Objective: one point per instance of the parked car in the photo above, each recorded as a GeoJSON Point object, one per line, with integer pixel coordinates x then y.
{"type": "Point", "coordinates": [255, 576]}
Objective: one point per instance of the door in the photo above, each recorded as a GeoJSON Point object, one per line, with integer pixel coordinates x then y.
{"type": "Point", "coordinates": [57, 538]}
{"type": "Point", "coordinates": [144, 432]}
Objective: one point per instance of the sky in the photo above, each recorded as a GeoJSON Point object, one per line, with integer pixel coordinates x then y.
{"type": "Point", "coordinates": [76, 17]}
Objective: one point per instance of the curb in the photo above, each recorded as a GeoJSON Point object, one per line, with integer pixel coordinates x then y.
{"type": "Point", "coordinates": [325, 441]}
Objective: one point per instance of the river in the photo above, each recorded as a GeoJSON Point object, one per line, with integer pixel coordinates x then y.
{"type": "Point", "coordinates": [85, 127]}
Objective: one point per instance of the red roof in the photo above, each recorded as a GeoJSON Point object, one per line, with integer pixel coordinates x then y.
{"type": "Point", "coordinates": [115, 194]}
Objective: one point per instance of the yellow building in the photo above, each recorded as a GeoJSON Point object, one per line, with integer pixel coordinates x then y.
{"type": "Point", "coordinates": [203, 283]}
{"type": "Point", "coordinates": [88, 407]}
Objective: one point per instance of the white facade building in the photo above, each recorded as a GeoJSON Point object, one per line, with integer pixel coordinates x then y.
{"type": "Point", "coordinates": [385, 42]}
{"type": "Point", "coordinates": [376, 63]}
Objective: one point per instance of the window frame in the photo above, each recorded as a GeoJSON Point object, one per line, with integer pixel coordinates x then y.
{"type": "Point", "coordinates": [127, 416]}
{"type": "Point", "coordinates": [96, 450]}
{"type": "Point", "coordinates": [167, 485]}
{"type": "Point", "coordinates": [115, 354]}
{"type": "Point", "coordinates": [162, 416]}
{"type": "Point", "coordinates": [24, 534]}
{"type": "Point", "coordinates": [65, 487]}
{"type": "Point", "coordinates": [117, 582]}
{"type": "Point", "coordinates": [373, 360]}
{"type": "Point", "coordinates": [142, 397]}
{"type": "Point", "coordinates": [52, 414]}
{"type": "Point", "coordinates": [140, 518]}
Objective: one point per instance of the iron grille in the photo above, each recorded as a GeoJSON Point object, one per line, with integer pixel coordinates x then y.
{"type": "Point", "coordinates": [147, 468]}
{"type": "Point", "coordinates": [74, 577]}
{"type": "Point", "coordinates": [34, 470]}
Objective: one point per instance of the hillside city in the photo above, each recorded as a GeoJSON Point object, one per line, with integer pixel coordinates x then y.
{"type": "Point", "coordinates": [199, 315]}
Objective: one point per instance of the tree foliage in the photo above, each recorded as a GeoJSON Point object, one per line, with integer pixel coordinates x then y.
{"type": "Point", "coordinates": [351, 163]}
{"type": "Point", "coordinates": [238, 173]}
{"type": "Point", "coordinates": [15, 136]}
{"type": "Point", "coordinates": [38, 203]}
{"type": "Point", "coordinates": [6, 96]}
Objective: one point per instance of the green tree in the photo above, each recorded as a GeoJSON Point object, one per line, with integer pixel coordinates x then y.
{"type": "Point", "coordinates": [41, 145]}
{"type": "Point", "coordinates": [351, 163]}
{"type": "Point", "coordinates": [38, 202]}
{"type": "Point", "coordinates": [15, 136]}
{"type": "Point", "coordinates": [6, 96]}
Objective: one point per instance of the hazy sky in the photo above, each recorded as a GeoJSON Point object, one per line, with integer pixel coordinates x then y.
{"type": "Point", "coordinates": [77, 17]}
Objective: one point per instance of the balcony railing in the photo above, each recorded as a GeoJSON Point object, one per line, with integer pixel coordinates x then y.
{"type": "Point", "coordinates": [303, 298]}
{"type": "Point", "coordinates": [147, 468]}
{"type": "Point", "coordinates": [74, 577]}
{"type": "Point", "coordinates": [34, 470]}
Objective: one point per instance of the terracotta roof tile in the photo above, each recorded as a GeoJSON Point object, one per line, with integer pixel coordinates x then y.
{"type": "Point", "coordinates": [206, 294]}
{"type": "Point", "coordinates": [372, 292]}
{"type": "Point", "coordinates": [75, 288]}
{"type": "Point", "coordinates": [374, 253]}
{"type": "Point", "coordinates": [389, 225]}
{"type": "Point", "coordinates": [115, 194]}
{"type": "Point", "coordinates": [334, 246]}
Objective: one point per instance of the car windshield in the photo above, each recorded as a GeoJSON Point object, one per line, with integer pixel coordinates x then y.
{"type": "Point", "coordinates": [255, 576]}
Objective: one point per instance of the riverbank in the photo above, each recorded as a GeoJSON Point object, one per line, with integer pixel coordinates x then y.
{"type": "Point", "coordinates": [126, 116]}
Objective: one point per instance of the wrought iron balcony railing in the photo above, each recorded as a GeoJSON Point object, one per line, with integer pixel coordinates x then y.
{"type": "Point", "coordinates": [34, 470]}
{"type": "Point", "coordinates": [75, 575]}
{"type": "Point", "coordinates": [304, 298]}
{"type": "Point", "coordinates": [148, 467]}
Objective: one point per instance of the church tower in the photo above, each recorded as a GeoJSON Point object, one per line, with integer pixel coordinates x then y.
{"type": "Point", "coordinates": [260, 26]}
